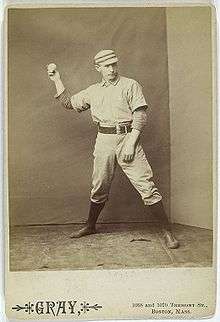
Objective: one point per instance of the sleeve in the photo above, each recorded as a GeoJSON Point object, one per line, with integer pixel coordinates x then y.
{"type": "Point", "coordinates": [81, 101]}
{"type": "Point", "coordinates": [135, 96]}
{"type": "Point", "coordinates": [139, 118]}
{"type": "Point", "coordinates": [64, 99]}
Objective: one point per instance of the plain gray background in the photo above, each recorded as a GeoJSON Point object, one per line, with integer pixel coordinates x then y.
{"type": "Point", "coordinates": [192, 103]}
{"type": "Point", "coordinates": [50, 149]}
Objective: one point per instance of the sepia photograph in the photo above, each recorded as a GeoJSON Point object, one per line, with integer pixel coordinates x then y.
{"type": "Point", "coordinates": [94, 96]}
{"type": "Point", "coordinates": [110, 144]}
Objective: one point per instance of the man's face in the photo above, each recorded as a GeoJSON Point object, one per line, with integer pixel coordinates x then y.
{"type": "Point", "coordinates": [108, 71]}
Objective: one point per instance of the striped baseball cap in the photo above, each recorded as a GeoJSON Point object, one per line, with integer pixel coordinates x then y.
{"type": "Point", "coordinates": [106, 56]}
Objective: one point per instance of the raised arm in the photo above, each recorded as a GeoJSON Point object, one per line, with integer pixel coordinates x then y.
{"type": "Point", "coordinates": [77, 102]}
{"type": "Point", "coordinates": [61, 94]}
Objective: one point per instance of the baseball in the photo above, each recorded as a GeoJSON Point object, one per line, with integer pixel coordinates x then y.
{"type": "Point", "coordinates": [51, 67]}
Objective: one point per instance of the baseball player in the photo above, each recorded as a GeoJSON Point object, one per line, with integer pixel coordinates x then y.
{"type": "Point", "coordinates": [118, 107]}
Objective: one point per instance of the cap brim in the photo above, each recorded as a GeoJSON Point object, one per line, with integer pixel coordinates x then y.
{"type": "Point", "coordinates": [109, 61]}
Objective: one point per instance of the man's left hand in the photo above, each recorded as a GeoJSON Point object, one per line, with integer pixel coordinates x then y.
{"type": "Point", "coordinates": [128, 152]}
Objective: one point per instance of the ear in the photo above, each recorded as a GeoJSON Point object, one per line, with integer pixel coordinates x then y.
{"type": "Point", "coordinates": [97, 67]}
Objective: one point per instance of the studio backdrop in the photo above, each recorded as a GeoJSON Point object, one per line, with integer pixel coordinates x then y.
{"type": "Point", "coordinates": [50, 149]}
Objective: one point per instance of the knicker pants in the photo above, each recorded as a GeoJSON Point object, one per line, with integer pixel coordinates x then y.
{"type": "Point", "coordinates": [107, 153]}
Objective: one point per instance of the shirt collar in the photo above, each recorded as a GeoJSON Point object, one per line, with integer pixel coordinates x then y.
{"type": "Point", "coordinates": [107, 83]}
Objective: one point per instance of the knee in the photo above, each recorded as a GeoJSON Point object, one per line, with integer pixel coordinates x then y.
{"type": "Point", "coordinates": [152, 199]}
{"type": "Point", "coordinates": [98, 197]}
{"type": "Point", "coordinates": [99, 192]}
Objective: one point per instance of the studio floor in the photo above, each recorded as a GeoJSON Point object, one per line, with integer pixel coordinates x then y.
{"type": "Point", "coordinates": [115, 246]}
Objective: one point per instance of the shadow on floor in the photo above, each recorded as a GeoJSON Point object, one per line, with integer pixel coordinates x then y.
{"type": "Point", "coordinates": [115, 246]}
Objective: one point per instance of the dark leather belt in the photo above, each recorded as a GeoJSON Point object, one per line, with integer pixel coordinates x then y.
{"type": "Point", "coordinates": [119, 129]}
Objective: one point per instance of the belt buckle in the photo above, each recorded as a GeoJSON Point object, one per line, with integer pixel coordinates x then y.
{"type": "Point", "coordinates": [119, 128]}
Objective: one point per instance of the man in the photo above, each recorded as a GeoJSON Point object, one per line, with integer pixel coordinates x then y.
{"type": "Point", "coordinates": [118, 107]}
